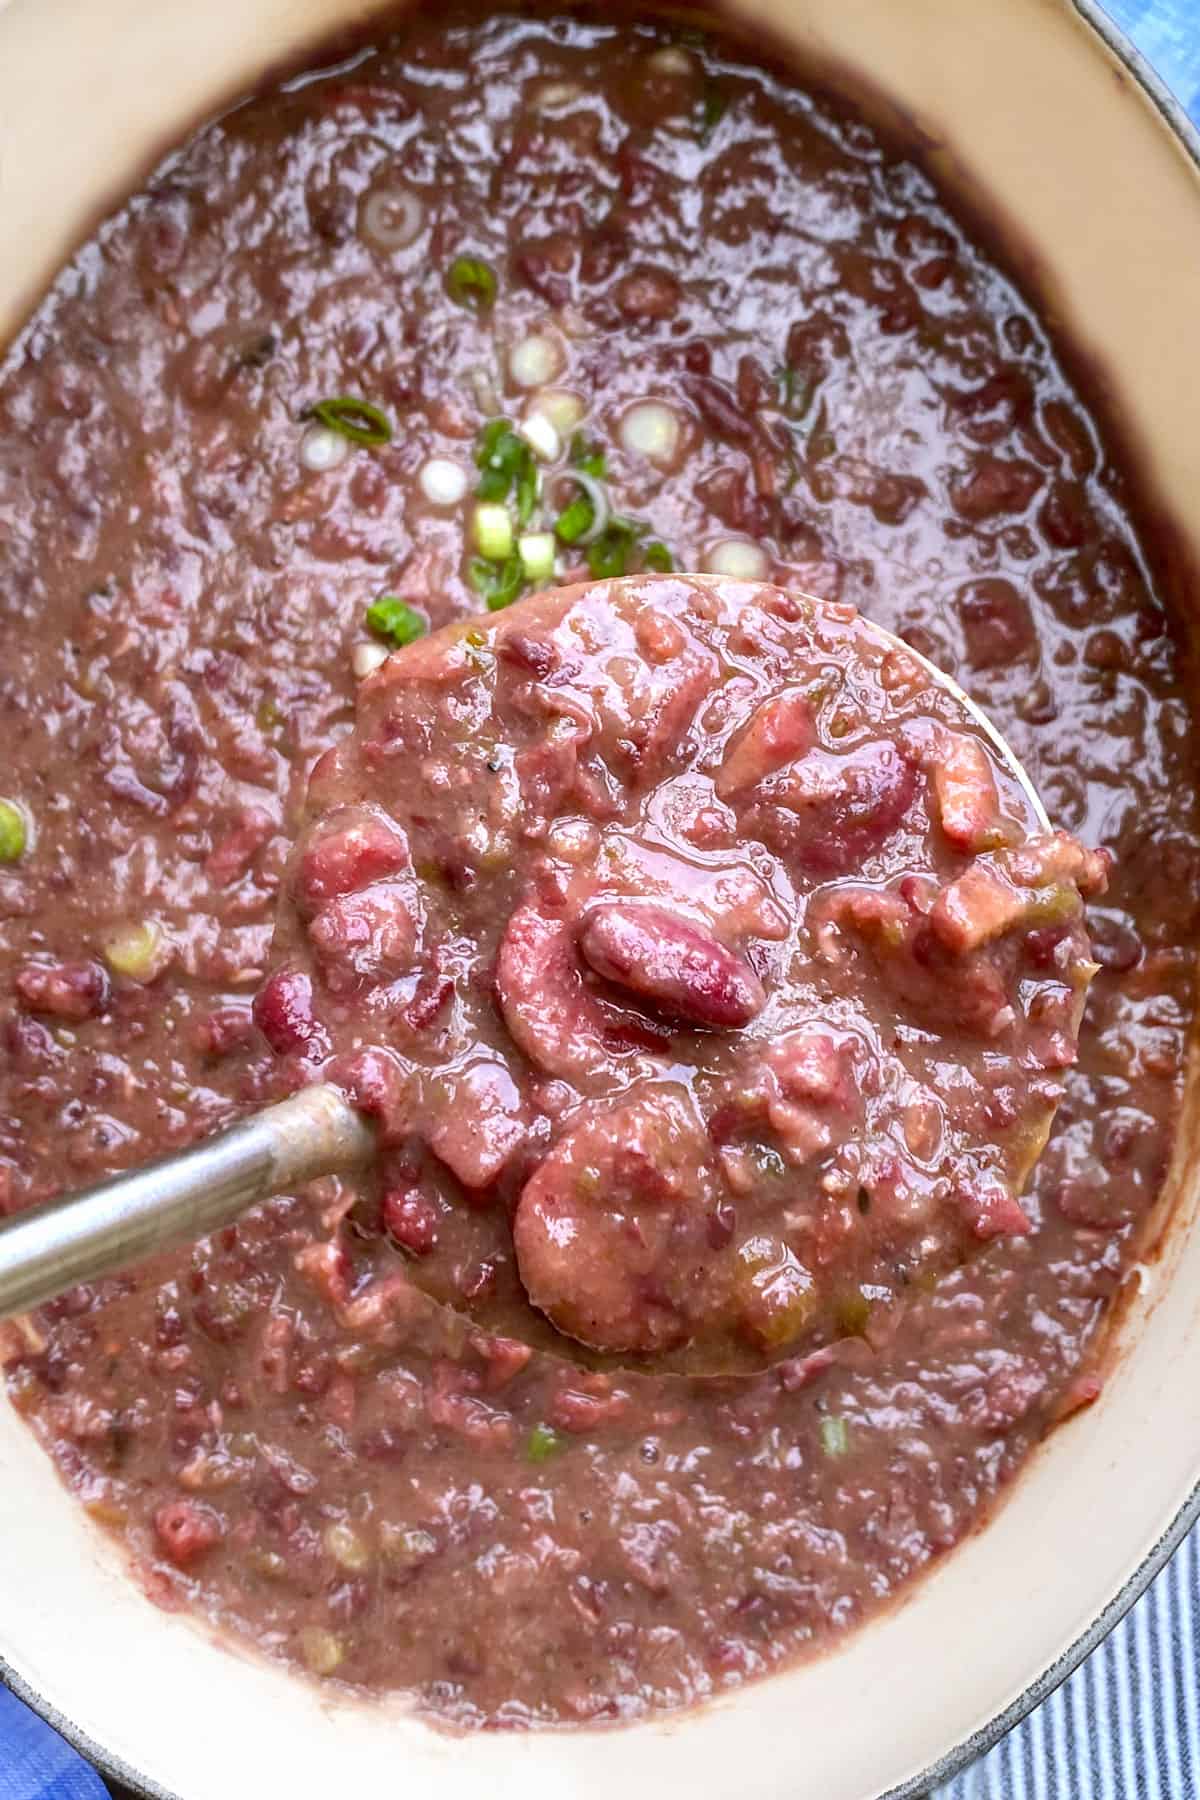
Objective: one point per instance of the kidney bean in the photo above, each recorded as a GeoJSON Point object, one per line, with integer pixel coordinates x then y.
{"type": "Point", "coordinates": [66, 990]}
{"type": "Point", "coordinates": [671, 961]}
{"type": "Point", "coordinates": [284, 1013]}
{"type": "Point", "coordinates": [411, 1219]}
{"type": "Point", "coordinates": [347, 855]}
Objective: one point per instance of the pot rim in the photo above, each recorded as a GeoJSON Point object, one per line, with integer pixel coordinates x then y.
{"type": "Point", "coordinates": [969, 1749]}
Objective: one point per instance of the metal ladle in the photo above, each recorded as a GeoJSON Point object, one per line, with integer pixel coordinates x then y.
{"type": "Point", "coordinates": [315, 1132]}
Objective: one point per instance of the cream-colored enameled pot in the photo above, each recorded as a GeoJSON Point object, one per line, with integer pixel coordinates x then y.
{"type": "Point", "coordinates": [1031, 112]}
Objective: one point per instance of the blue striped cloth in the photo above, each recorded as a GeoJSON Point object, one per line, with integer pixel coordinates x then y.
{"type": "Point", "coordinates": [1126, 1726]}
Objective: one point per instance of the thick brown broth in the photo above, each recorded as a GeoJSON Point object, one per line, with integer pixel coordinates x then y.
{"type": "Point", "coordinates": [860, 393]}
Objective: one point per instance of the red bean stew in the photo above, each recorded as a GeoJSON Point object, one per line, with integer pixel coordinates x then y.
{"type": "Point", "coordinates": [505, 303]}
{"type": "Point", "coordinates": [694, 927]}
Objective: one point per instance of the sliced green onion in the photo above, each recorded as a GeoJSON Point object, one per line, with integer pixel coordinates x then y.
{"type": "Point", "coordinates": [575, 519]}
{"type": "Point", "coordinates": [612, 552]}
{"type": "Point", "coordinates": [471, 282]}
{"type": "Point", "coordinates": [835, 1435]}
{"type": "Point", "coordinates": [14, 834]}
{"type": "Point", "coordinates": [355, 419]}
{"type": "Point", "coordinates": [394, 619]}
{"type": "Point", "coordinates": [541, 437]}
{"type": "Point", "coordinates": [506, 461]}
{"type": "Point", "coordinates": [542, 1443]}
{"type": "Point", "coordinates": [493, 531]}
{"type": "Point", "coordinates": [658, 558]}
{"type": "Point", "coordinates": [588, 454]}
{"type": "Point", "coordinates": [496, 584]}
{"type": "Point", "coordinates": [527, 491]}
{"type": "Point", "coordinates": [536, 550]}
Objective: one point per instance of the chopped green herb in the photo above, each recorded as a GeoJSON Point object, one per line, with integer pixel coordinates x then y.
{"type": "Point", "coordinates": [355, 419]}
{"type": "Point", "coordinates": [575, 518]}
{"type": "Point", "coordinates": [588, 455]}
{"type": "Point", "coordinates": [471, 282]}
{"type": "Point", "coordinates": [13, 834]}
{"type": "Point", "coordinates": [542, 1443]}
{"type": "Point", "coordinates": [714, 104]}
{"type": "Point", "coordinates": [658, 558]}
{"type": "Point", "coordinates": [394, 619]}
{"type": "Point", "coordinates": [835, 1435]}
{"type": "Point", "coordinates": [497, 584]}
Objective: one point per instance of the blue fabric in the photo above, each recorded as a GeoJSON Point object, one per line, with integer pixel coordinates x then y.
{"type": "Point", "coordinates": [1167, 32]}
{"type": "Point", "coordinates": [1126, 1726]}
{"type": "Point", "coordinates": [35, 1763]}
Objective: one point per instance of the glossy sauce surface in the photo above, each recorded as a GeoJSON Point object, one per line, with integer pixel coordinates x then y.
{"type": "Point", "coordinates": [864, 404]}
{"type": "Point", "coordinates": [707, 971]}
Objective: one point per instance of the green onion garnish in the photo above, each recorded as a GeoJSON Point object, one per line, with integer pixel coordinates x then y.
{"type": "Point", "coordinates": [471, 282]}
{"type": "Point", "coordinates": [355, 419]}
{"type": "Point", "coordinates": [497, 584]}
{"type": "Point", "coordinates": [542, 1443]}
{"type": "Point", "coordinates": [505, 461]}
{"type": "Point", "coordinates": [13, 833]}
{"type": "Point", "coordinates": [394, 619]}
{"type": "Point", "coordinates": [575, 518]}
{"type": "Point", "coordinates": [835, 1436]}
{"type": "Point", "coordinates": [527, 490]}
{"type": "Point", "coordinates": [612, 552]}
{"type": "Point", "coordinates": [493, 531]}
{"type": "Point", "coordinates": [587, 454]}
{"type": "Point", "coordinates": [658, 558]}
{"type": "Point", "coordinates": [536, 550]}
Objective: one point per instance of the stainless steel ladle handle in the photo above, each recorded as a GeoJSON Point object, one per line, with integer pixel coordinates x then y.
{"type": "Point", "coordinates": [179, 1197]}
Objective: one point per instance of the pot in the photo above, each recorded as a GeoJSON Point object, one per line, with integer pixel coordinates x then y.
{"type": "Point", "coordinates": [1046, 123]}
